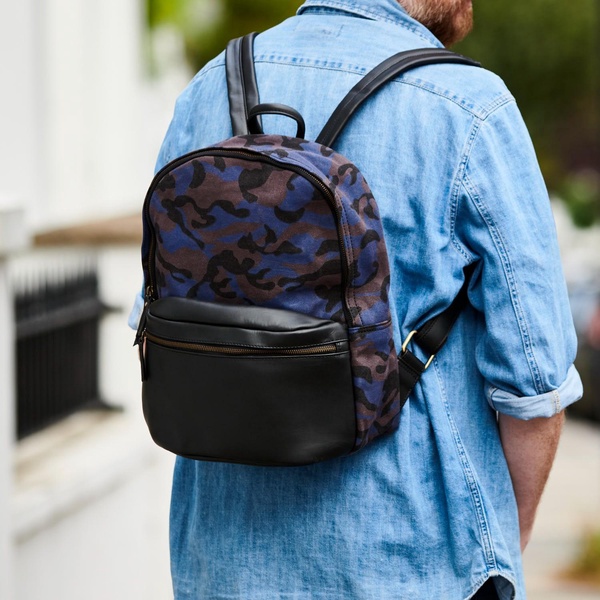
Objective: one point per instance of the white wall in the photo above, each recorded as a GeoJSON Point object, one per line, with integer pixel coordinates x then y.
{"type": "Point", "coordinates": [71, 110]}
{"type": "Point", "coordinates": [84, 504]}
{"type": "Point", "coordinates": [90, 510]}
{"type": "Point", "coordinates": [90, 494]}
{"type": "Point", "coordinates": [20, 101]}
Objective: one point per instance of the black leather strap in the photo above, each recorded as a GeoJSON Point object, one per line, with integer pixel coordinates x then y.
{"type": "Point", "coordinates": [384, 72]}
{"type": "Point", "coordinates": [241, 85]}
{"type": "Point", "coordinates": [430, 338]}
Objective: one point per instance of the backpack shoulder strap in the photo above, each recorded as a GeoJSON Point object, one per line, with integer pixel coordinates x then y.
{"type": "Point", "coordinates": [241, 85]}
{"type": "Point", "coordinates": [430, 337]}
{"type": "Point", "coordinates": [243, 98]}
{"type": "Point", "coordinates": [386, 71]}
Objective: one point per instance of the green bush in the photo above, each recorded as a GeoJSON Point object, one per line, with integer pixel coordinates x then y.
{"type": "Point", "coordinates": [586, 566]}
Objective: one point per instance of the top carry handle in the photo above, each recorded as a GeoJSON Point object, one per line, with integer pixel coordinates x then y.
{"type": "Point", "coordinates": [244, 108]}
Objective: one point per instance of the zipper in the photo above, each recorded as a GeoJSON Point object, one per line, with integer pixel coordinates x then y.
{"type": "Point", "coordinates": [148, 299]}
{"type": "Point", "coordinates": [241, 350]}
{"type": "Point", "coordinates": [150, 266]}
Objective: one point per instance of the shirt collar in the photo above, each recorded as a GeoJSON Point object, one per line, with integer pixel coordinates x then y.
{"type": "Point", "coordinates": [389, 11]}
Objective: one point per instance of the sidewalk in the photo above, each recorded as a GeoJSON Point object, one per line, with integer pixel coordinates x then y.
{"type": "Point", "coordinates": [570, 506]}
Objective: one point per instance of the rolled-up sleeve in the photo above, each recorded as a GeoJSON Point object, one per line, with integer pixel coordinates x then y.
{"type": "Point", "coordinates": [527, 345]}
{"type": "Point", "coordinates": [547, 404]}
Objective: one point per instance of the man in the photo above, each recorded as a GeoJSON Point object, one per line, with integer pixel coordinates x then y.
{"type": "Point", "coordinates": [442, 508]}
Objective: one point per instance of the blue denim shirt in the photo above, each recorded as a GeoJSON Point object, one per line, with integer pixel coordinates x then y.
{"type": "Point", "coordinates": [428, 512]}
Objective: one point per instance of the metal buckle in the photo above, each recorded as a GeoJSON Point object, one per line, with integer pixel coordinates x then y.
{"type": "Point", "coordinates": [409, 337]}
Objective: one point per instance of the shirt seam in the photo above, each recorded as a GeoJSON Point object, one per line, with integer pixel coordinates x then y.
{"type": "Point", "coordinates": [482, 112]}
{"type": "Point", "coordinates": [470, 479]}
{"type": "Point", "coordinates": [509, 274]}
{"type": "Point", "coordinates": [365, 10]}
{"type": "Point", "coordinates": [456, 184]}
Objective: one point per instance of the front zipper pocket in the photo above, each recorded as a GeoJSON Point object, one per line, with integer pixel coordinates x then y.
{"type": "Point", "coordinates": [246, 384]}
{"type": "Point", "coordinates": [242, 351]}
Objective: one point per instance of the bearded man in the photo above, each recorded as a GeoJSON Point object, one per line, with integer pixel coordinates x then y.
{"type": "Point", "coordinates": [442, 508]}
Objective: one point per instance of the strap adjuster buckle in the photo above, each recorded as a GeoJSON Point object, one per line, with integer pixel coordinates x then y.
{"type": "Point", "coordinates": [409, 337]}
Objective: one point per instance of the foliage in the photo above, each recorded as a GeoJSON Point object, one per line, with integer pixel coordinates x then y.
{"type": "Point", "coordinates": [237, 18]}
{"type": "Point", "coordinates": [205, 38]}
{"type": "Point", "coordinates": [581, 191]}
{"type": "Point", "coordinates": [547, 51]}
{"type": "Point", "coordinates": [586, 566]}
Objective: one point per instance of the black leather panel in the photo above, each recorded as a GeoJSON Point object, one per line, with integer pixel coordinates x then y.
{"type": "Point", "coordinates": [258, 410]}
{"type": "Point", "coordinates": [189, 320]}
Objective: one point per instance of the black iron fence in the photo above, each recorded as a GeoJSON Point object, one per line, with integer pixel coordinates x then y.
{"type": "Point", "coordinates": [57, 335]}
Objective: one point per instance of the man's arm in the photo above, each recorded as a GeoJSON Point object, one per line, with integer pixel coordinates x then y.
{"type": "Point", "coordinates": [529, 447]}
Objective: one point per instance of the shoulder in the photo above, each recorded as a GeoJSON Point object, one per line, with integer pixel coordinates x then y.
{"type": "Point", "coordinates": [474, 89]}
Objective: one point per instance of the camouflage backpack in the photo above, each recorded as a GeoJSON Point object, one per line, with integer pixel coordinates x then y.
{"type": "Point", "coordinates": [266, 336]}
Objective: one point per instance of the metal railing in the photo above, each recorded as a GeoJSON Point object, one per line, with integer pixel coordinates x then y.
{"type": "Point", "coordinates": [57, 339]}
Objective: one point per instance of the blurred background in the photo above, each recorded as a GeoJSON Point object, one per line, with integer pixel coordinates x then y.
{"type": "Point", "coordinates": [88, 90]}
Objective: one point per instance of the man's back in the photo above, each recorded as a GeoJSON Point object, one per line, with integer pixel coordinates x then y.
{"type": "Point", "coordinates": [429, 511]}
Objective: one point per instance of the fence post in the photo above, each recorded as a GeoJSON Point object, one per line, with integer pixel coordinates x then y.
{"type": "Point", "coordinates": [12, 238]}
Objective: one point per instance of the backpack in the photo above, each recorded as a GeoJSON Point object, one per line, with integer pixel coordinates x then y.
{"type": "Point", "coordinates": [266, 336]}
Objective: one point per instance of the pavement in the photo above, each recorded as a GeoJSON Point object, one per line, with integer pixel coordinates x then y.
{"type": "Point", "coordinates": [570, 506]}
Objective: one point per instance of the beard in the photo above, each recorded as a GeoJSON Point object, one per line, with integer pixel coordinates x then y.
{"type": "Point", "coordinates": [449, 20]}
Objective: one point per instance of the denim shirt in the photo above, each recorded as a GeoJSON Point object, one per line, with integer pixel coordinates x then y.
{"type": "Point", "coordinates": [428, 512]}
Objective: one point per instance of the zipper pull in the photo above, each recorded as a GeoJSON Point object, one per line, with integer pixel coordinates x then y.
{"type": "Point", "coordinates": [141, 350]}
{"type": "Point", "coordinates": [148, 298]}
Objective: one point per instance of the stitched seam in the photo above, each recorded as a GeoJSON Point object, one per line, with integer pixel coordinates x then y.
{"type": "Point", "coordinates": [496, 105]}
{"type": "Point", "coordinates": [510, 280]}
{"type": "Point", "coordinates": [367, 328]}
{"type": "Point", "coordinates": [481, 112]}
{"type": "Point", "coordinates": [556, 398]}
{"type": "Point", "coordinates": [475, 492]}
{"type": "Point", "coordinates": [348, 246]}
{"type": "Point", "coordinates": [365, 10]}
{"type": "Point", "coordinates": [456, 244]}
{"type": "Point", "coordinates": [497, 239]}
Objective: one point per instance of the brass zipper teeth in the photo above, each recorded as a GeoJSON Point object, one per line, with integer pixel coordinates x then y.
{"type": "Point", "coordinates": [238, 351]}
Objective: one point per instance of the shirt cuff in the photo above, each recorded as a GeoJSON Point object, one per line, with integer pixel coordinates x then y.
{"type": "Point", "coordinates": [543, 405]}
{"type": "Point", "coordinates": [136, 312]}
